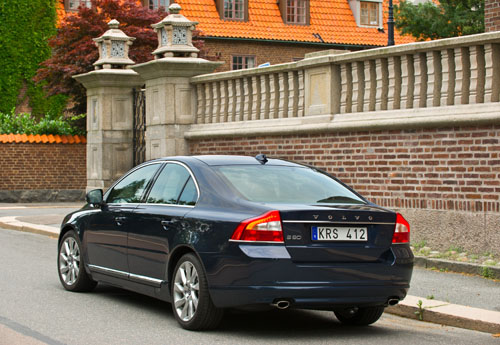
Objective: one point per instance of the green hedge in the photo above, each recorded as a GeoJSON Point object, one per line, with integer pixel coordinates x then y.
{"type": "Point", "coordinates": [11, 123]}
{"type": "Point", "coordinates": [25, 27]}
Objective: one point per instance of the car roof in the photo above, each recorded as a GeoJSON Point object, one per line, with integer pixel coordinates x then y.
{"type": "Point", "coordinates": [217, 160]}
{"type": "Point", "coordinates": [214, 160]}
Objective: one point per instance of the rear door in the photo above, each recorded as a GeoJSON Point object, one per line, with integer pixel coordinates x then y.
{"type": "Point", "coordinates": [158, 221]}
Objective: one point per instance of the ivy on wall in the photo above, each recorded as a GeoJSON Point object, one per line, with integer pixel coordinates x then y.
{"type": "Point", "coordinates": [25, 27]}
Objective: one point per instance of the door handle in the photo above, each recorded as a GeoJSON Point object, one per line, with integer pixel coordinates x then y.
{"type": "Point", "coordinates": [119, 220]}
{"type": "Point", "coordinates": [166, 224]}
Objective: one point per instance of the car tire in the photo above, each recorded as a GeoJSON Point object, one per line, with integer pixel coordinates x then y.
{"type": "Point", "coordinates": [191, 303]}
{"type": "Point", "coordinates": [361, 317]}
{"type": "Point", "coordinates": [71, 266]}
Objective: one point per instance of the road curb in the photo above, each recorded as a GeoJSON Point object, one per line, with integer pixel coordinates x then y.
{"type": "Point", "coordinates": [12, 223]}
{"type": "Point", "coordinates": [449, 314]}
{"type": "Point", "coordinates": [457, 266]}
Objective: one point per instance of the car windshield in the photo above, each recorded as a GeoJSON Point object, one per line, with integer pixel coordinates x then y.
{"type": "Point", "coordinates": [285, 184]}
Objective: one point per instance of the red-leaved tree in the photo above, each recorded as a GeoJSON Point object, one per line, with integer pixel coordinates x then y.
{"type": "Point", "coordinates": [74, 51]}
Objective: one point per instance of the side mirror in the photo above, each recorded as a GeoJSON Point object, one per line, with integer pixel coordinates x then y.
{"type": "Point", "coordinates": [94, 197]}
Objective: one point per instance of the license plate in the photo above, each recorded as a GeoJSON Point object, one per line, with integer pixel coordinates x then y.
{"type": "Point", "coordinates": [338, 233]}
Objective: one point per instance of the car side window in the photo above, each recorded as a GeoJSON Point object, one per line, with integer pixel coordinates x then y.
{"type": "Point", "coordinates": [169, 185]}
{"type": "Point", "coordinates": [131, 188]}
{"type": "Point", "coordinates": [189, 194]}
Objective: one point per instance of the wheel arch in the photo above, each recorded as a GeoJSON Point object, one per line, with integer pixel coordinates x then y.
{"type": "Point", "coordinates": [174, 258]}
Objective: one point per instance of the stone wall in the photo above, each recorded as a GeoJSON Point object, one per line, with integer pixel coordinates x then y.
{"type": "Point", "coordinates": [446, 181]}
{"type": "Point", "coordinates": [39, 172]}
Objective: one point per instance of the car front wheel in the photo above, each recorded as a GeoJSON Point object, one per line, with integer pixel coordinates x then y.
{"type": "Point", "coordinates": [359, 316]}
{"type": "Point", "coordinates": [70, 265]}
{"type": "Point", "coordinates": [191, 303]}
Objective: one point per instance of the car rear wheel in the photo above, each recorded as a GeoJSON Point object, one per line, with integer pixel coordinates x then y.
{"type": "Point", "coordinates": [71, 266]}
{"type": "Point", "coordinates": [191, 303]}
{"type": "Point", "coordinates": [359, 316]}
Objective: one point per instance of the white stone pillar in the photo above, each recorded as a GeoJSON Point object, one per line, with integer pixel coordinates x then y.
{"type": "Point", "coordinates": [174, 111]}
{"type": "Point", "coordinates": [109, 124]}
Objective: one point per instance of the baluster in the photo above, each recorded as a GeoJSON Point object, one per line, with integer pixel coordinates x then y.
{"type": "Point", "coordinates": [264, 97]}
{"type": "Point", "coordinates": [459, 76]}
{"type": "Point", "coordinates": [447, 77]}
{"type": "Point", "coordinates": [256, 98]}
{"type": "Point", "coordinates": [283, 95]}
{"type": "Point", "coordinates": [346, 88]}
{"type": "Point", "coordinates": [367, 86]}
{"type": "Point", "coordinates": [231, 101]}
{"type": "Point", "coordinates": [407, 81]}
{"type": "Point", "coordinates": [474, 86]}
{"type": "Point", "coordinates": [381, 86]}
{"type": "Point", "coordinates": [274, 96]}
{"type": "Point", "coordinates": [216, 102]}
{"type": "Point", "coordinates": [238, 116]}
{"type": "Point", "coordinates": [292, 88]}
{"type": "Point", "coordinates": [481, 74]}
{"type": "Point", "coordinates": [420, 84]}
{"type": "Point", "coordinates": [200, 106]}
{"type": "Point", "coordinates": [357, 86]}
{"type": "Point", "coordinates": [434, 79]}
{"type": "Point", "coordinates": [301, 94]}
{"type": "Point", "coordinates": [209, 102]}
{"type": "Point", "coordinates": [223, 101]}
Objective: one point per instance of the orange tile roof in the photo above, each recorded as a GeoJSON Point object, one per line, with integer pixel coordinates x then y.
{"type": "Point", "coordinates": [333, 20]}
{"type": "Point", "coordinates": [42, 139]}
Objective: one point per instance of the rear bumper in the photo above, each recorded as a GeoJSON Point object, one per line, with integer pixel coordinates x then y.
{"type": "Point", "coordinates": [242, 280]}
{"type": "Point", "coordinates": [307, 297]}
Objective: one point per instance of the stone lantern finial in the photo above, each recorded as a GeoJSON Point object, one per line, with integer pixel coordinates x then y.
{"type": "Point", "coordinates": [175, 35]}
{"type": "Point", "coordinates": [113, 48]}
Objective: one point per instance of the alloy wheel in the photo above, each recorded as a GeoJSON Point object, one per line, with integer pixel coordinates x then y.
{"type": "Point", "coordinates": [69, 261]}
{"type": "Point", "coordinates": [186, 291]}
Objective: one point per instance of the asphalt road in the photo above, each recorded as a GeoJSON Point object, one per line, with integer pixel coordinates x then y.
{"type": "Point", "coordinates": [35, 309]}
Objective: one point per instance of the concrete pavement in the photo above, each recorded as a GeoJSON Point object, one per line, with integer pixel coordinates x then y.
{"type": "Point", "coordinates": [459, 309]}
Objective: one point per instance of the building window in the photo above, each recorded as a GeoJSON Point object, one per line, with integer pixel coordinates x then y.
{"type": "Point", "coordinates": [369, 13]}
{"type": "Point", "coordinates": [72, 5]}
{"type": "Point", "coordinates": [234, 9]}
{"type": "Point", "coordinates": [242, 62]}
{"type": "Point", "coordinates": [296, 11]}
{"type": "Point", "coordinates": [156, 4]}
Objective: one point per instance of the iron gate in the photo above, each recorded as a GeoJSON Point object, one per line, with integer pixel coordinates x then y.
{"type": "Point", "coordinates": [139, 131]}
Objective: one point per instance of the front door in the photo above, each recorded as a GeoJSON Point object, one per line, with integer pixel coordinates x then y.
{"type": "Point", "coordinates": [106, 233]}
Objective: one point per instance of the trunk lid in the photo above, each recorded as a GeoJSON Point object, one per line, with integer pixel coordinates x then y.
{"type": "Point", "coordinates": [338, 234]}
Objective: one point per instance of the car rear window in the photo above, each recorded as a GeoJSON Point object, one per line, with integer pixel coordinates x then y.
{"type": "Point", "coordinates": [285, 184]}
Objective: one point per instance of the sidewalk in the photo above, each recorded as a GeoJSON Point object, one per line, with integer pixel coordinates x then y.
{"type": "Point", "coordinates": [468, 310]}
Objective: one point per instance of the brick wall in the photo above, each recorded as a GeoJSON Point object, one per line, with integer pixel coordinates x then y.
{"type": "Point", "coordinates": [38, 166]}
{"type": "Point", "coordinates": [492, 15]}
{"type": "Point", "coordinates": [439, 169]}
{"type": "Point", "coordinates": [274, 53]}
{"type": "Point", "coordinates": [446, 181]}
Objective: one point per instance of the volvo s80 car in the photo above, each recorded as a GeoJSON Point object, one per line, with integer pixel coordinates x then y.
{"type": "Point", "coordinates": [207, 233]}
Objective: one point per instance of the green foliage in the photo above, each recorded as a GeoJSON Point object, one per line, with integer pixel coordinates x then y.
{"type": "Point", "coordinates": [449, 18]}
{"type": "Point", "coordinates": [25, 27]}
{"type": "Point", "coordinates": [52, 123]}
{"type": "Point", "coordinates": [487, 272]}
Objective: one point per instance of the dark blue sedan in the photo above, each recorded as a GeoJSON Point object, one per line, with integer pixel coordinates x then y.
{"type": "Point", "coordinates": [207, 233]}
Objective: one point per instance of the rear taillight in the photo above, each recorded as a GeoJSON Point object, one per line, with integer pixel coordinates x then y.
{"type": "Point", "coordinates": [265, 228]}
{"type": "Point", "coordinates": [401, 230]}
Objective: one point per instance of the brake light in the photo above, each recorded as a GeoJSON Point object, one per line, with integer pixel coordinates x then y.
{"type": "Point", "coordinates": [265, 228]}
{"type": "Point", "coordinates": [401, 230]}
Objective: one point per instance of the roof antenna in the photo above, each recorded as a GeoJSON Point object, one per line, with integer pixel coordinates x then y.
{"type": "Point", "coordinates": [261, 158]}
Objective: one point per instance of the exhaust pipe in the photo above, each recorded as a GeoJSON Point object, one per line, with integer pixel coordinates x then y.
{"type": "Point", "coordinates": [392, 301]}
{"type": "Point", "coordinates": [281, 304]}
